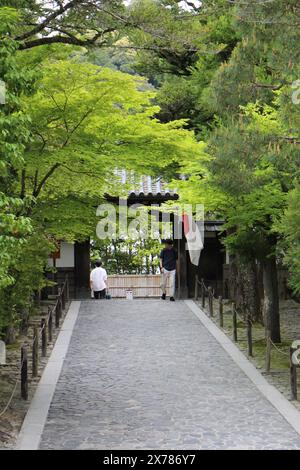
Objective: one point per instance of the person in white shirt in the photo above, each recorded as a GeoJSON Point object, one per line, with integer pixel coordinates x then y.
{"type": "Point", "coordinates": [99, 281]}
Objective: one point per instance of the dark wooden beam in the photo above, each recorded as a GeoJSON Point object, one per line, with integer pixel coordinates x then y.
{"type": "Point", "coordinates": [82, 268]}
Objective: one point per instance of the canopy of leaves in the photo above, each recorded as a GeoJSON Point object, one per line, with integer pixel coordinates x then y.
{"type": "Point", "coordinates": [87, 121]}
{"type": "Point", "coordinates": [13, 137]}
{"type": "Point", "coordinates": [253, 141]}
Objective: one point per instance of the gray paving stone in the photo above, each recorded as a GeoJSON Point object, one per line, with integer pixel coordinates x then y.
{"type": "Point", "coordinates": [147, 374]}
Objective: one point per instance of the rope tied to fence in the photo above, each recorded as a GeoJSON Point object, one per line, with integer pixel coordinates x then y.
{"type": "Point", "coordinates": [4, 410]}
{"type": "Point", "coordinates": [203, 285]}
{"type": "Point", "coordinates": [10, 399]}
{"type": "Point", "coordinates": [293, 354]}
{"type": "Point", "coordinates": [211, 291]}
{"type": "Point", "coordinates": [35, 337]}
{"type": "Point", "coordinates": [245, 322]}
{"type": "Point", "coordinates": [279, 350]}
{"type": "Point", "coordinates": [2, 413]}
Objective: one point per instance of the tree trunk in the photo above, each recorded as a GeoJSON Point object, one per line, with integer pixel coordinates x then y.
{"type": "Point", "coordinates": [260, 282]}
{"type": "Point", "coordinates": [244, 289]}
{"type": "Point", "coordinates": [271, 299]}
{"type": "Point", "coordinates": [24, 321]}
{"type": "Point", "coordinates": [10, 335]}
{"type": "Point", "coordinates": [251, 291]}
{"type": "Point", "coordinates": [233, 279]}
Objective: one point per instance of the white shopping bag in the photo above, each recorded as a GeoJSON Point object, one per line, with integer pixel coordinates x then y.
{"type": "Point", "coordinates": [129, 295]}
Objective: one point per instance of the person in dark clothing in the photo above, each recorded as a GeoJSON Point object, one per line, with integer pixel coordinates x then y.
{"type": "Point", "coordinates": [168, 267]}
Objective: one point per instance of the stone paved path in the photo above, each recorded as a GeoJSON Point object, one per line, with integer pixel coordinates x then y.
{"type": "Point", "coordinates": [148, 375]}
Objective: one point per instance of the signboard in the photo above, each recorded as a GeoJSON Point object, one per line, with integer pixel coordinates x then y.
{"type": "Point", "coordinates": [56, 254]}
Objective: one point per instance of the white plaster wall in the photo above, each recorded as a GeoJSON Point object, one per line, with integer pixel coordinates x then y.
{"type": "Point", "coordinates": [67, 258]}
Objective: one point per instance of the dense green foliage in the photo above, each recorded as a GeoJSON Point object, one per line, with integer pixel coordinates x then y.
{"type": "Point", "coordinates": [97, 86]}
{"type": "Point", "coordinates": [252, 144]}
{"type": "Point", "coordinates": [66, 127]}
{"type": "Point", "coordinates": [14, 135]}
{"type": "Point", "coordinates": [123, 256]}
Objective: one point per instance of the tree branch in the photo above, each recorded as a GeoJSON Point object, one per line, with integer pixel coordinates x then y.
{"type": "Point", "coordinates": [40, 27]}
{"type": "Point", "coordinates": [271, 87]}
{"type": "Point", "coordinates": [45, 179]}
{"type": "Point", "coordinates": [35, 181]}
{"type": "Point", "coordinates": [81, 172]}
{"type": "Point", "coordinates": [23, 184]}
{"type": "Point", "coordinates": [59, 40]}
{"type": "Point", "coordinates": [293, 140]}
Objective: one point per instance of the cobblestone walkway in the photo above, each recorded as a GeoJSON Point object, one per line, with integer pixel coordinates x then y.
{"type": "Point", "coordinates": [148, 375]}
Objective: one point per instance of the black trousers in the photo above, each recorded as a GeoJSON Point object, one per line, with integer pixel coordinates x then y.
{"type": "Point", "coordinates": [100, 294]}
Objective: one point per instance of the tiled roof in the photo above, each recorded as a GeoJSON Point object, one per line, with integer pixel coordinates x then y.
{"type": "Point", "coordinates": [213, 225]}
{"type": "Point", "coordinates": [145, 185]}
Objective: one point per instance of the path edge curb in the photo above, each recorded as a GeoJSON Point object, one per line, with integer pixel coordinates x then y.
{"type": "Point", "coordinates": [33, 425]}
{"type": "Point", "coordinates": [279, 402]}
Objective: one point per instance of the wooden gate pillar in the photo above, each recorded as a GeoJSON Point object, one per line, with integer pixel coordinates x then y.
{"type": "Point", "coordinates": [182, 273]}
{"type": "Point", "coordinates": [82, 268]}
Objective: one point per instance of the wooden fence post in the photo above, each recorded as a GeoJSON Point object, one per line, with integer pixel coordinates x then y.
{"type": "Point", "coordinates": [210, 301]}
{"type": "Point", "coordinates": [44, 337]}
{"type": "Point", "coordinates": [63, 297]}
{"type": "Point", "coordinates": [249, 336]}
{"type": "Point", "coordinates": [35, 352]}
{"type": "Point", "coordinates": [268, 351]}
{"type": "Point", "coordinates": [60, 307]}
{"type": "Point", "coordinates": [57, 317]}
{"type": "Point", "coordinates": [59, 301]}
{"type": "Point", "coordinates": [203, 293]}
{"type": "Point", "coordinates": [221, 316]}
{"type": "Point", "coordinates": [50, 324]}
{"type": "Point", "coordinates": [234, 323]}
{"type": "Point", "coordinates": [24, 373]}
{"type": "Point", "coordinates": [196, 286]}
{"type": "Point", "coordinates": [67, 289]}
{"type": "Point", "coordinates": [225, 289]}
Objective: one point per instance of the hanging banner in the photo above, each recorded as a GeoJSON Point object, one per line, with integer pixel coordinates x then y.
{"type": "Point", "coordinates": [193, 237]}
